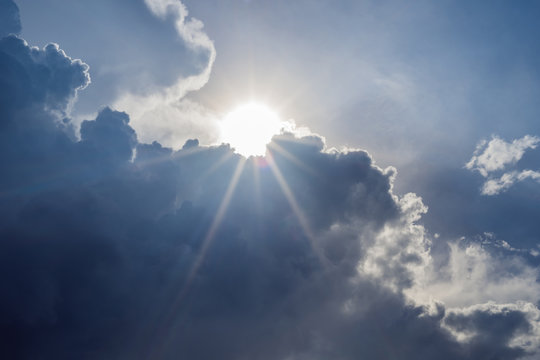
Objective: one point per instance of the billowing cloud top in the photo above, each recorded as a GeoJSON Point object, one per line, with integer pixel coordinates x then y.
{"type": "Point", "coordinates": [44, 77]}
{"type": "Point", "coordinates": [116, 249]}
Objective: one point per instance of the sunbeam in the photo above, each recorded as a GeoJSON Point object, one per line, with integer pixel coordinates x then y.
{"type": "Point", "coordinates": [274, 146]}
{"type": "Point", "coordinates": [295, 207]}
{"type": "Point", "coordinates": [311, 195]}
{"type": "Point", "coordinates": [207, 241]}
{"type": "Point", "coordinates": [215, 223]}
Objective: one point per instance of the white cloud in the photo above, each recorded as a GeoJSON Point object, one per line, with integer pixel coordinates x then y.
{"type": "Point", "coordinates": [156, 116]}
{"type": "Point", "coordinates": [473, 291]}
{"type": "Point", "coordinates": [401, 249]}
{"type": "Point", "coordinates": [474, 276]}
{"type": "Point", "coordinates": [503, 183]}
{"type": "Point", "coordinates": [497, 153]}
{"type": "Point", "coordinates": [400, 257]}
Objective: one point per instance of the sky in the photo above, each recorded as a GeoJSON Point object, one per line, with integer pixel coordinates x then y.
{"type": "Point", "coordinates": [250, 179]}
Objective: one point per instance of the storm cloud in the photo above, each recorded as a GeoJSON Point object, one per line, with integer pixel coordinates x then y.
{"type": "Point", "coordinates": [116, 249]}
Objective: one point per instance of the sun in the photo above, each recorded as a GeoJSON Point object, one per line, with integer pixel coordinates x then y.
{"type": "Point", "coordinates": [249, 128]}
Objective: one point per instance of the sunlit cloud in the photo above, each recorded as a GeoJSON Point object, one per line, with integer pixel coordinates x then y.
{"type": "Point", "coordinates": [503, 183]}
{"type": "Point", "coordinates": [161, 115]}
{"type": "Point", "coordinates": [161, 244]}
{"type": "Point", "coordinates": [497, 155]}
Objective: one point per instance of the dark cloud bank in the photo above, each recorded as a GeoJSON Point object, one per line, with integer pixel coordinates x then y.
{"type": "Point", "coordinates": [110, 248]}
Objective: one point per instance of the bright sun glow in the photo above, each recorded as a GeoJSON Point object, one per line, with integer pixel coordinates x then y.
{"type": "Point", "coordinates": [249, 128]}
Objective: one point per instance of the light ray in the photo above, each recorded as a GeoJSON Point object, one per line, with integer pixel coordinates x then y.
{"type": "Point", "coordinates": [170, 156]}
{"type": "Point", "coordinates": [226, 156]}
{"type": "Point", "coordinates": [215, 223]}
{"type": "Point", "coordinates": [295, 207]}
{"type": "Point", "coordinates": [274, 146]}
{"type": "Point", "coordinates": [257, 185]}
{"type": "Point", "coordinates": [207, 241]}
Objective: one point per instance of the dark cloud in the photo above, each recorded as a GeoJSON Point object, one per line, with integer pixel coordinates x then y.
{"type": "Point", "coordinates": [30, 76]}
{"type": "Point", "coordinates": [10, 22]}
{"type": "Point", "coordinates": [114, 249]}
{"type": "Point", "coordinates": [491, 329]}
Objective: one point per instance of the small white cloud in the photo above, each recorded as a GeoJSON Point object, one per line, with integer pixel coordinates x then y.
{"type": "Point", "coordinates": [503, 183]}
{"type": "Point", "coordinates": [497, 153]}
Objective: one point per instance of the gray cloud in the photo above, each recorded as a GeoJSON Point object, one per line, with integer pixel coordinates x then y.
{"type": "Point", "coordinates": [46, 77]}
{"type": "Point", "coordinates": [491, 328]}
{"type": "Point", "coordinates": [113, 248]}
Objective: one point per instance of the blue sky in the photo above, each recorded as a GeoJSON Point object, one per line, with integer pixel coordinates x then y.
{"type": "Point", "coordinates": [396, 216]}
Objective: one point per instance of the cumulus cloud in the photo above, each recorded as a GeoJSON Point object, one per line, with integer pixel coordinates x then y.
{"type": "Point", "coordinates": [498, 185]}
{"type": "Point", "coordinates": [401, 249]}
{"type": "Point", "coordinates": [161, 115]}
{"type": "Point", "coordinates": [496, 155]}
{"type": "Point", "coordinates": [119, 249]}
{"type": "Point", "coordinates": [39, 76]}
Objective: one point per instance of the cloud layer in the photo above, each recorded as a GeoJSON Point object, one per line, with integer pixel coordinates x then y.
{"type": "Point", "coordinates": [117, 249]}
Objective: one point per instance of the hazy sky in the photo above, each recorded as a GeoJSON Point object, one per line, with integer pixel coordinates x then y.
{"type": "Point", "coordinates": [399, 207]}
